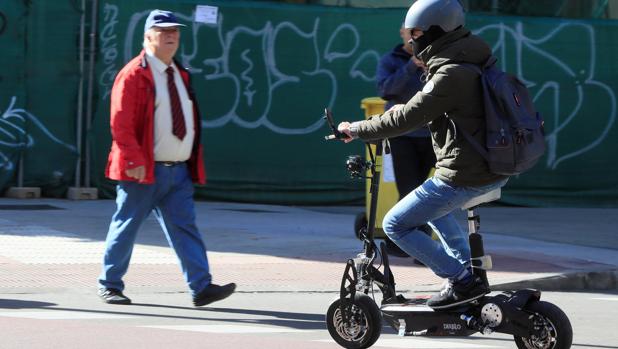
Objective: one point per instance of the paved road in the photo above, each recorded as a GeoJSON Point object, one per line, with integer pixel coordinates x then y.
{"type": "Point", "coordinates": [71, 319]}
{"type": "Point", "coordinates": [287, 262]}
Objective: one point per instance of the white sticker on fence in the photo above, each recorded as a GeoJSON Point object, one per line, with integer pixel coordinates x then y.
{"type": "Point", "coordinates": [206, 14]}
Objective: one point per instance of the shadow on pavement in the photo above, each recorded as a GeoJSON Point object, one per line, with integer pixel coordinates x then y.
{"type": "Point", "coordinates": [19, 304]}
{"type": "Point", "coordinates": [300, 321]}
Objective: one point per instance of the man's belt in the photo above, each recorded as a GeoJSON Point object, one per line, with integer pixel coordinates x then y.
{"type": "Point", "coordinates": [169, 163]}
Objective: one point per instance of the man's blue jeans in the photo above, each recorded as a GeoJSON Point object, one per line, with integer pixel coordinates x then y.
{"type": "Point", "coordinates": [171, 199]}
{"type": "Point", "coordinates": [432, 203]}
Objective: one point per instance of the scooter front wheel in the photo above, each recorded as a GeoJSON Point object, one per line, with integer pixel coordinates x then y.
{"type": "Point", "coordinates": [556, 330]}
{"type": "Point", "coordinates": [355, 324]}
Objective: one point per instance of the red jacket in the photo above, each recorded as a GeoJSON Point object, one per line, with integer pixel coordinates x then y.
{"type": "Point", "coordinates": [132, 124]}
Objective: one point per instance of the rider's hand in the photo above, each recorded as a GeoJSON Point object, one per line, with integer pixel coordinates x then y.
{"type": "Point", "coordinates": [138, 173]}
{"type": "Point", "coordinates": [344, 128]}
{"type": "Point", "coordinates": [419, 63]}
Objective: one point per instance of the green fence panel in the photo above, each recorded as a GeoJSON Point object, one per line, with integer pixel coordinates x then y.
{"type": "Point", "coordinates": [39, 83]}
{"type": "Point", "coordinates": [53, 36]}
{"type": "Point", "coordinates": [265, 71]}
{"type": "Point", "coordinates": [263, 77]}
{"type": "Point", "coordinates": [263, 74]}
{"type": "Point", "coordinates": [13, 137]}
{"type": "Point", "coordinates": [569, 66]}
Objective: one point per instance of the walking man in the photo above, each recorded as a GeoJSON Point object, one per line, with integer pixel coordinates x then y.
{"type": "Point", "coordinates": [155, 156]}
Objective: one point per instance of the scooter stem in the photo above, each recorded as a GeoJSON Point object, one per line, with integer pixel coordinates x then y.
{"type": "Point", "coordinates": [374, 187]}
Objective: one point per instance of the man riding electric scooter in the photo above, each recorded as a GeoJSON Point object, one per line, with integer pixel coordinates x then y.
{"type": "Point", "coordinates": [450, 100]}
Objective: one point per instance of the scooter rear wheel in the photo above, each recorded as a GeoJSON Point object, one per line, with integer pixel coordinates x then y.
{"type": "Point", "coordinates": [556, 327]}
{"type": "Point", "coordinates": [364, 323]}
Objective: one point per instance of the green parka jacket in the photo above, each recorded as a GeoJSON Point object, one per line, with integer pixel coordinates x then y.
{"type": "Point", "coordinates": [453, 90]}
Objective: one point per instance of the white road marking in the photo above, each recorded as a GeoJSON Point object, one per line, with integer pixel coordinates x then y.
{"type": "Point", "coordinates": [615, 299]}
{"type": "Point", "coordinates": [418, 343]}
{"type": "Point", "coordinates": [61, 315]}
{"type": "Point", "coordinates": [239, 329]}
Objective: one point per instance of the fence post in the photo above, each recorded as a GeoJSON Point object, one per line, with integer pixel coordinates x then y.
{"type": "Point", "coordinates": [78, 192]}
{"type": "Point", "coordinates": [21, 192]}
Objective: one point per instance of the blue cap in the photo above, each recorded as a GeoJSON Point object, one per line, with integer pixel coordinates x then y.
{"type": "Point", "coordinates": [160, 18]}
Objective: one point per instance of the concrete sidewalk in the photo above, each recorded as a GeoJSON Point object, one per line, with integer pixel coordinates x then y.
{"type": "Point", "coordinates": [58, 244]}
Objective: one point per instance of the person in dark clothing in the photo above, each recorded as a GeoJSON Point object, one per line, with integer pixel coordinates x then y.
{"type": "Point", "coordinates": [400, 76]}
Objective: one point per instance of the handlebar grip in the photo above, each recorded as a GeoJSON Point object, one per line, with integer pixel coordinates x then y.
{"type": "Point", "coordinates": [338, 135]}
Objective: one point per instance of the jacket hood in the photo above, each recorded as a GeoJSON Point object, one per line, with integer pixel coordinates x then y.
{"type": "Point", "coordinates": [458, 46]}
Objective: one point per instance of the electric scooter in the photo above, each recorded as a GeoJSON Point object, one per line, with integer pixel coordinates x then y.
{"type": "Point", "coordinates": [354, 320]}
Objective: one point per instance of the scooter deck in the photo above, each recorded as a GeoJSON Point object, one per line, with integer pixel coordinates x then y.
{"type": "Point", "coordinates": [410, 304]}
{"type": "Point", "coordinates": [414, 318]}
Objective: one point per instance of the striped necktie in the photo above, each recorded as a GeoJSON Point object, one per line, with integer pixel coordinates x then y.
{"type": "Point", "coordinates": [178, 119]}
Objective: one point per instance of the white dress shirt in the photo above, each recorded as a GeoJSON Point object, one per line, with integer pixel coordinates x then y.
{"type": "Point", "coordinates": [167, 147]}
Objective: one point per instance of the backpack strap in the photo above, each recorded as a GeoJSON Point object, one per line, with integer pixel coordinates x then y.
{"type": "Point", "coordinates": [477, 69]}
{"type": "Point", "coordinates": [484, 153]}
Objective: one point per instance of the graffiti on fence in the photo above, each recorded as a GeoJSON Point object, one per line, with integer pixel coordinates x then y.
{"type": "Point", "coordinates": [255, 80]}
{"type": "Point", "coordinates": [108, 49]}
{"type": "Point", "coordinates": [248, 68]}
{"type": "Point", "coordinates": [14, 133]}
{"type": "Point", "coordinates": [576, 79]}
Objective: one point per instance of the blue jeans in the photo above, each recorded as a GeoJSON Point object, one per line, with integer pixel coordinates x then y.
{"type": "Point", "coordinates": [432, 203]}
{"type": "Point", "coordinates": [171, 199]}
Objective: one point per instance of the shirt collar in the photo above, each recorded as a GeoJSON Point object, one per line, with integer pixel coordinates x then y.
{"type": "Point", "coordinates": [156, 62]}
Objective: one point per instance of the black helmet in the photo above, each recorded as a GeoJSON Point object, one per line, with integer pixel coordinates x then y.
{"type": "Point", "coordinates": [446, 14]}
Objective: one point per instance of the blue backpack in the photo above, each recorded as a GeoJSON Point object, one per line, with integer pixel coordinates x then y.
{"type": "Point", "coordinates": [515, 138]}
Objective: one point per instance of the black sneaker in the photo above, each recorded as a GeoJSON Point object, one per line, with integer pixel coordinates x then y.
{"type": "Point", "coordinates": [213, 293]}
{"type": "Point", "coordinates": [113, 296]}
{"type": "Point", "coordinates": [458, 293]}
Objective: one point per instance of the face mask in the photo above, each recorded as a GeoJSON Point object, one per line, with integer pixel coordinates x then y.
{"type": "Point", "coordinates": [419, 44]}
{"type": "Point", "coordinates": [432, 34]}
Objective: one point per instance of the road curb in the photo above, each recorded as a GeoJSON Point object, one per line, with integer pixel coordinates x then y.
{"type": "Point", "coordinates": [599, 280]}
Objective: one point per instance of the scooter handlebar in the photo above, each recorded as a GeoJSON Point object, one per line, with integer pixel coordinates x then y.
{"type": "Point", "coordinates": [336, 134]}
